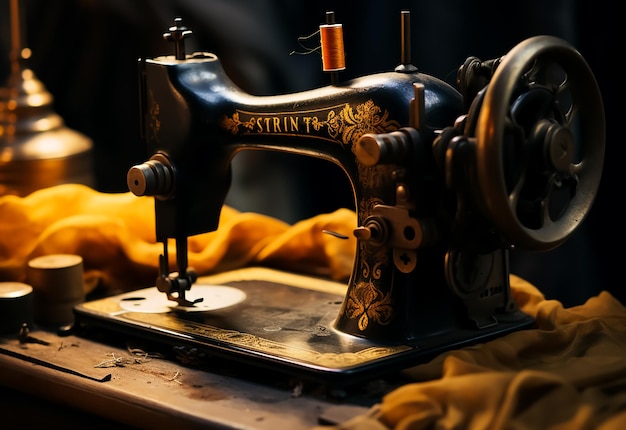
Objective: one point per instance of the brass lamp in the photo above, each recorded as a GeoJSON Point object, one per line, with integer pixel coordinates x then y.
{"type": "Point", "coordinates": [37, 150]}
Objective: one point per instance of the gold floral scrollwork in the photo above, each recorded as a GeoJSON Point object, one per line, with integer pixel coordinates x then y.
{"type": "Point", "coordinates": [366, 302]}
{"type": "Point", "coordinates": [239, 340]}
{"type": "Point", "coordinates": [154, 123]}
{"type": "Point", "coordinates": [232, 124]}
{"type": "Point", "coordinates": [351, 124]}
{"type": "Point", "coordinates": [345, 123]}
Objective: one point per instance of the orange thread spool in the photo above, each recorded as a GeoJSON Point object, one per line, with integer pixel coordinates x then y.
{"type": "Point", "coordinates": [333, 58]}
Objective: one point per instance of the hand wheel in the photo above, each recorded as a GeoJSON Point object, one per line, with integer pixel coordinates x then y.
{"type": "Point", "coordinates": [540, 137]}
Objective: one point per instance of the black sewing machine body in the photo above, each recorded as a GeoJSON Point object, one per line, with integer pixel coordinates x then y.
{"type": "Point", "coordinates": [215, 120]}
{"type": "Point", "coordinates": [209, 120]}
{"type": "Point", "coordinates": [436, 215]}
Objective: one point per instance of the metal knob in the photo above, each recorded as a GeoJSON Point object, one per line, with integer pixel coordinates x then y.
{"type": "Point", "coordinates": [375, 230]}
{"type": "Point", "coordinates": [155, 177]}
{"type": "Point", "coordinates": [386, 148]}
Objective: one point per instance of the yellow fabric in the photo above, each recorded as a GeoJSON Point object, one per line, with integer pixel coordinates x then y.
{"type": "Point", "coordinates": [568, 373]}
{"type": "Point", "coordinates": [115, 235]}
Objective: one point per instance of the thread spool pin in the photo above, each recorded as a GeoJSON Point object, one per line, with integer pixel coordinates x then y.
{"type": "Point", "coordinates": [331, 39]}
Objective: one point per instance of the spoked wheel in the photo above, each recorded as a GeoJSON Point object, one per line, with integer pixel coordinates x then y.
{"type": "Point", "coordinates": [540, 143]}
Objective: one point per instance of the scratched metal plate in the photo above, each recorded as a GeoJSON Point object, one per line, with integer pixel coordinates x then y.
{"type": "Point", "coordinates": [284, 321]}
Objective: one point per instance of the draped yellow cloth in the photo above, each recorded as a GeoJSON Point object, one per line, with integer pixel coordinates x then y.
{"type": "Point", "coordinates": [568, 373]}
{"type": "Point", "coordinates": [115, 235]}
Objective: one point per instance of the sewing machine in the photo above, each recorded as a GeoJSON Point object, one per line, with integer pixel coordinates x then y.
{"type": "Point", "coordinates": [446, 183]}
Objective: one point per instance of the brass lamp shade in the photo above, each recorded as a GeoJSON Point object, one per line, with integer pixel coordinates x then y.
{"type": "Point", "coordinates": [37, 150]}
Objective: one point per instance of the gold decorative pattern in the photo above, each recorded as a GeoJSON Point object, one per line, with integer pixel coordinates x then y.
{"type": "Point", "coordinates": [233, 338]}
{"type": "Point", "coordinates": [343, 123]}
{"type": "Point", "coordinates": [365, 302]}
{"type": "Point", "coordinates": [154, 124]}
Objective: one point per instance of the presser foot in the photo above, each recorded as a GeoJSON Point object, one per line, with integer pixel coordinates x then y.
{"type": "Point", "coordinates": [182, 301]}
{"type": "Point", "coordinates": [175, 287]}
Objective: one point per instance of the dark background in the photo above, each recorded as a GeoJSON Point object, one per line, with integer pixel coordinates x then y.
{"type": "Point", "coordinates": [86, 51]}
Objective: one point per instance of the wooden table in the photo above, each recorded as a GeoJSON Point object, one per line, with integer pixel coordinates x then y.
{"type": "Point", "coordinates": [77, 377]}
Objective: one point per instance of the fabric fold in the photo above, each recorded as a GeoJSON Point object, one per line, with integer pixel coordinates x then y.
{"type": "Point", "coordinates": [567, 373]}
{"type": "Point", "coordinates": [115, 235]}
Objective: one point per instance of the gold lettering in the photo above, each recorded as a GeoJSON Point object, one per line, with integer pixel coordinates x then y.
{"type": "Point", "coordinates": [336, 123]}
